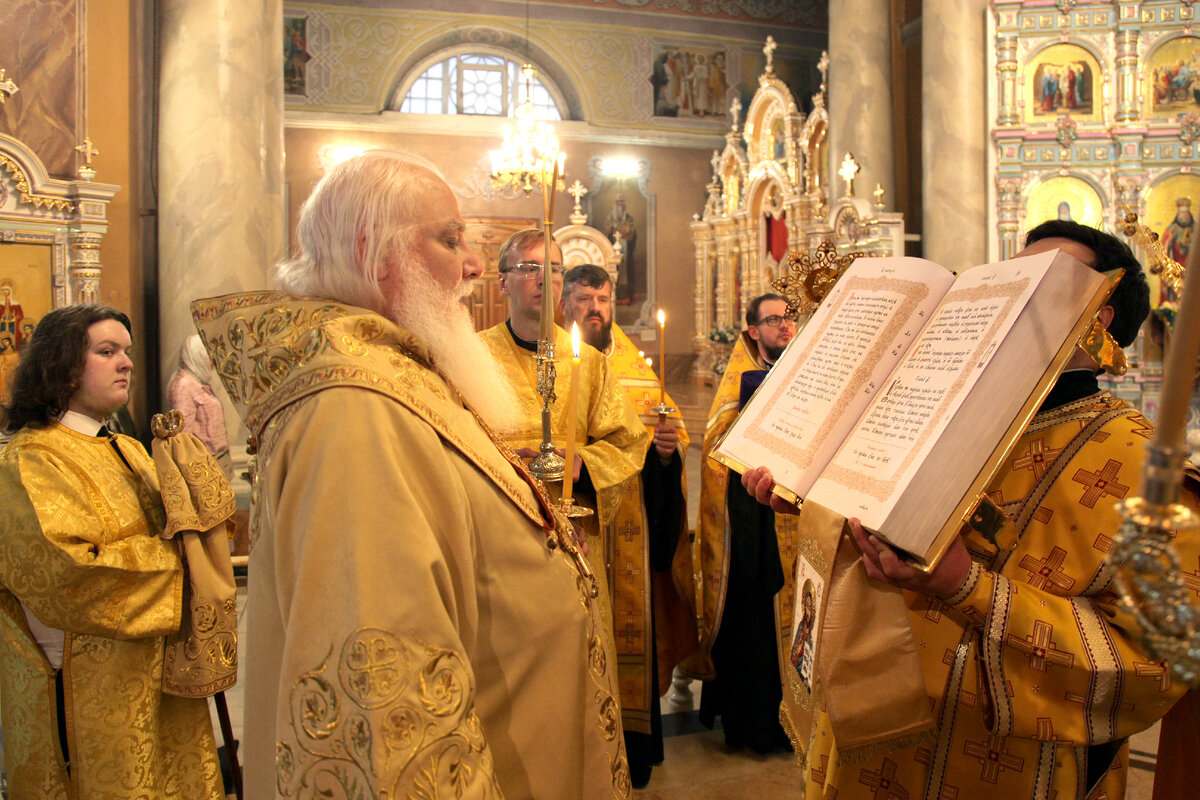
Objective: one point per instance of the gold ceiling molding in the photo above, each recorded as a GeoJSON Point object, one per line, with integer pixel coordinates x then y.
{"type": "Point", "coordinates": [27, 195]}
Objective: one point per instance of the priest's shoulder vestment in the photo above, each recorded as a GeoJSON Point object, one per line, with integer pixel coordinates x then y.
{"type": "Point", "coordinates": [413, 625]}
{"type": "Point", "coordinates": [1033, 668]}
{"type": "Point", "coordinates": [80, 549]}
{"type": "Point", "coordinates": [674, 590]}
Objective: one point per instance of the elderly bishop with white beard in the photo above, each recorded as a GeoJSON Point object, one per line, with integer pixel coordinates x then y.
{"type": "Point", "coordinates": [417, 607]}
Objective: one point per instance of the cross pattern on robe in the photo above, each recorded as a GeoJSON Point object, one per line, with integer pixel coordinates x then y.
{"type": "Point", "coordinates": [629, 635]}
{"type": "Point", "coordinates": [883, 783]}
{"type": "Point", "coordinates": [1037, 458]}
{"type": "Point", "coordinates": [936, 607]}
{"type": "Point", "coordinates": [994, 758]}
{"type": "Point", "coordinates": [1045, 730]}
{"type": "Point", "coordinates": [372, 668]}
{"type": "Point", "coordinates": [1040, 647]}
{"type": "Point", "coordinates": [1101, 484]}
{"type": "Point", "coordinates": [817, 773]}
{"type": "Point", "coordinates": [1154, 669]}
{"type": "Point", "coordinates": [629, 530]}
{"type": "Point", "coordinates": [1046, 570]}
{"type": "Point", "coordinates": [1192, 579]}
{"type": "Point", "coordinates": [1104, 544]}
{"type": "Point", "coordinates": [630, 572]}
{"type": "Point", "coordinates": [1043, 514]}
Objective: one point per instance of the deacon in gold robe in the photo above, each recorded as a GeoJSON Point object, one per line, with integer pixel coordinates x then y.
{"type": "Point", "coordinates": [88, 587]}
{"type": "Point", "coordinates": [610, 441]}
{"type": "Point", "coordinates": [424, 623]}
{"type": "Point", "coordinates": [744, 559]}
{"type": "Point", "coordinates": [653, 589]}
{"type": "Point", "coordinates": [1036, 674]}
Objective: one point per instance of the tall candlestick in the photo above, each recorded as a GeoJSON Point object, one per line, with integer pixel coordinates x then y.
{"type": "Point", "coordinates": [662, 358]}
{"type": "Point", "coordinates": [572, 397]}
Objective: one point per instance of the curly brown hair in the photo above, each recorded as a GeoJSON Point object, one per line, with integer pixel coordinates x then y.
{"type": "Point", "coordinates": [52, 364]}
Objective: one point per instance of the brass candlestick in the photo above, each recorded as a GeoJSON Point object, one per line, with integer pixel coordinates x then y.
{"type": "Point", "coordinates": [1149, 575]}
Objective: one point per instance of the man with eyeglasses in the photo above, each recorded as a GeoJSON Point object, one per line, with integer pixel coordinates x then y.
{"type": "Point", "coordinates": [610, 441]}
{"type": "Point", "coordinates": [745, 557]}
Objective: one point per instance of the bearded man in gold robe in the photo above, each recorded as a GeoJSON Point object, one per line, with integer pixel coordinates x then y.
{"type": "Point", "coordinates": [1035, 672]}
{"type": "Point", "coordinates": [423, 622]}
{"type": "Point", "coordinates": [744, 558]}
{"type": "Point", "coordinates": [653, 588]}
{"type": "Point", "coordinates": [610, 440]}
{"type": "Point", "coordinates": [89, 589]}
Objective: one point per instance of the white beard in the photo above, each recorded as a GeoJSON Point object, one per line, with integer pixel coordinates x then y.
{"type": "Point", "coordinates": [437, 317]}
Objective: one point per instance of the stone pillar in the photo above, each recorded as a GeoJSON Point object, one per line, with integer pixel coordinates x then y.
{"type": "Point", "coordinates": [221, 213]}
{"type": "Point", "coordinates": [860, 94]}
{"type": "Point", "coordinates": [954, 133]}
{"type": "Point", "coordinates": [1127, 75]}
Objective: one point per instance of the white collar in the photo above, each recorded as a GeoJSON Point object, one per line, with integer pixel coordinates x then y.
{"type": "Point", "coordinates": [81, 423]}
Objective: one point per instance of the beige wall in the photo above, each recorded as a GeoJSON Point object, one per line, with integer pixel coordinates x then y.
{"type": "Point", "coordinates": [677, 179]}
{"type": "Point", "coordinates": [113, 115]}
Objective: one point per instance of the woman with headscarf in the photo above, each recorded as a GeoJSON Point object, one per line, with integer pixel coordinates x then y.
{"type": "Point", "coordinates": [203, 415]}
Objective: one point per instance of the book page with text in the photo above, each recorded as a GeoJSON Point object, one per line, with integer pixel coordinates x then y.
{"type": "Point", "coordinates": [834, 366]}
{"type": "Point", "coordinates": [880, 457]}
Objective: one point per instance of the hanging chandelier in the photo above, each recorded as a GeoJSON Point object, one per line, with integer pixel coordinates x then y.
{"type": "Point", "coordinates": [530, 156]}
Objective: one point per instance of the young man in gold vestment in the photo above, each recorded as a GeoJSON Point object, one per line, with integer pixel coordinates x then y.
{"type": "Point", "coordinates": [1036, 674]}
{"type": "Point", "coordinates": [88, 588]}
{"type": "Point", "coordinates": [610, 440]}
{"type": "Point", "coordinates": [653, 589]}
{"type": "Point", "coordinates": [745, 558]}
{"type": "Point", "coordinates": [423, 623]}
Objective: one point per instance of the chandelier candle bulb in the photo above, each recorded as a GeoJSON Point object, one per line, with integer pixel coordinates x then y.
{"type": "Point", "coordinates": [572, 396]}
{"type": "Point", "coordinates": [662, 358]}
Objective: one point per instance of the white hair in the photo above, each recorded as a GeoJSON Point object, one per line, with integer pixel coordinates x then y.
{"type": "Point", "coordinates": [362, 212]}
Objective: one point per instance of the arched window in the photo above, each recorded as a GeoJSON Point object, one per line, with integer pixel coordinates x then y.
{"type": "Point", "coordinates": [476, 82]}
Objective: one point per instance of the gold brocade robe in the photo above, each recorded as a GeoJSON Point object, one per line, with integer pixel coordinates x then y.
{"type": "Point", "coordinates": [1034, 660]}
{"type": "Point", "coordinates": [712, 534]}
{"type": "Point", "coordinates": [413, 629]}
{"type": "Point", "coordinates": [674, 590]}
{"type": "Point", "coordinates": [80, 547]}
{"type": "Point", "coordinates": [609, 437]}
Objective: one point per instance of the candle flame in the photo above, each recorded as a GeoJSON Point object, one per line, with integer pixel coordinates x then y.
{"type": "Point", "coordinates": [662, 318]}
{"type": "Point", "coordinates": [575, 338]}
{"type": "Point", "coordinates": [649, 363]}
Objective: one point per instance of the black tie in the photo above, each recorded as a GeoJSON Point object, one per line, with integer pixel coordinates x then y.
{"type": "Point", "coordinates": [112, 440]}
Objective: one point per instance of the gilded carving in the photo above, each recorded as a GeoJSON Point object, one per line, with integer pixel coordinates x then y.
{"type": "Point", "coordinates": [417, 695]}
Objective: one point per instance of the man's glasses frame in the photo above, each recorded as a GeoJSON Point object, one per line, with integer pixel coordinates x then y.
{"type": "Point", "coordinates": [528, 269]}
{"type": "Point", "coordinates": [775, 320]}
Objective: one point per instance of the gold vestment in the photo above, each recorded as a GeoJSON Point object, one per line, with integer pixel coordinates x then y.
{"type": "Point", "coordinates": [712, 547]}
{"type": "Point", "coordinates": [1033, 667]}
{"type": "Point", "coordinates": [608, 435]}
{"type": "Point", "coordinates": [80, 548]}
{"type": "Point", "coordinates": [674, 590]}
{"type": "Point", "coordinates": [413, 633]}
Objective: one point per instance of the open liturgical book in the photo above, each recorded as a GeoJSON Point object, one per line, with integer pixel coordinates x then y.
{"type": "Point", "coordinates": [901, 396]}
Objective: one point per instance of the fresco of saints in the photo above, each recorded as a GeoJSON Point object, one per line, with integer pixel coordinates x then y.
{"type": "Point", "coordinates": [1177, 238]}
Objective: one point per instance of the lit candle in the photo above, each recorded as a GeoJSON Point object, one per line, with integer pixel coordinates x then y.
{"type": "Point", "coordinates": [572, 396]}
{"type": "Point", "coordinates": [662, 358]}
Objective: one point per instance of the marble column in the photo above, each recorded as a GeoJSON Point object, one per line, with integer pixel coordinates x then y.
{"type": "Point", "coordinates": [954, 131]}
{"type": "Point", "coordinates": [221, 212]}
{"type": "Point", "coordinates": [860, 94]}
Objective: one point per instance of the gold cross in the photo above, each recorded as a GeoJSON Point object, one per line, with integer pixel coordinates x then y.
{"type": "Point", "coordinates": [88, 151]}
{"type": "Point", "coordinates": [769, 52]}
{"type": "Point", "coordinates": [735, 108]}
{"type": "Point", "coordinates": [577, 191]}
{"type": "Point", "coordinates": [848, 170]}
{"type": "Point", "coordinates": [7, 87]}
{"type": "Point", "coordinates": [878, 196]}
